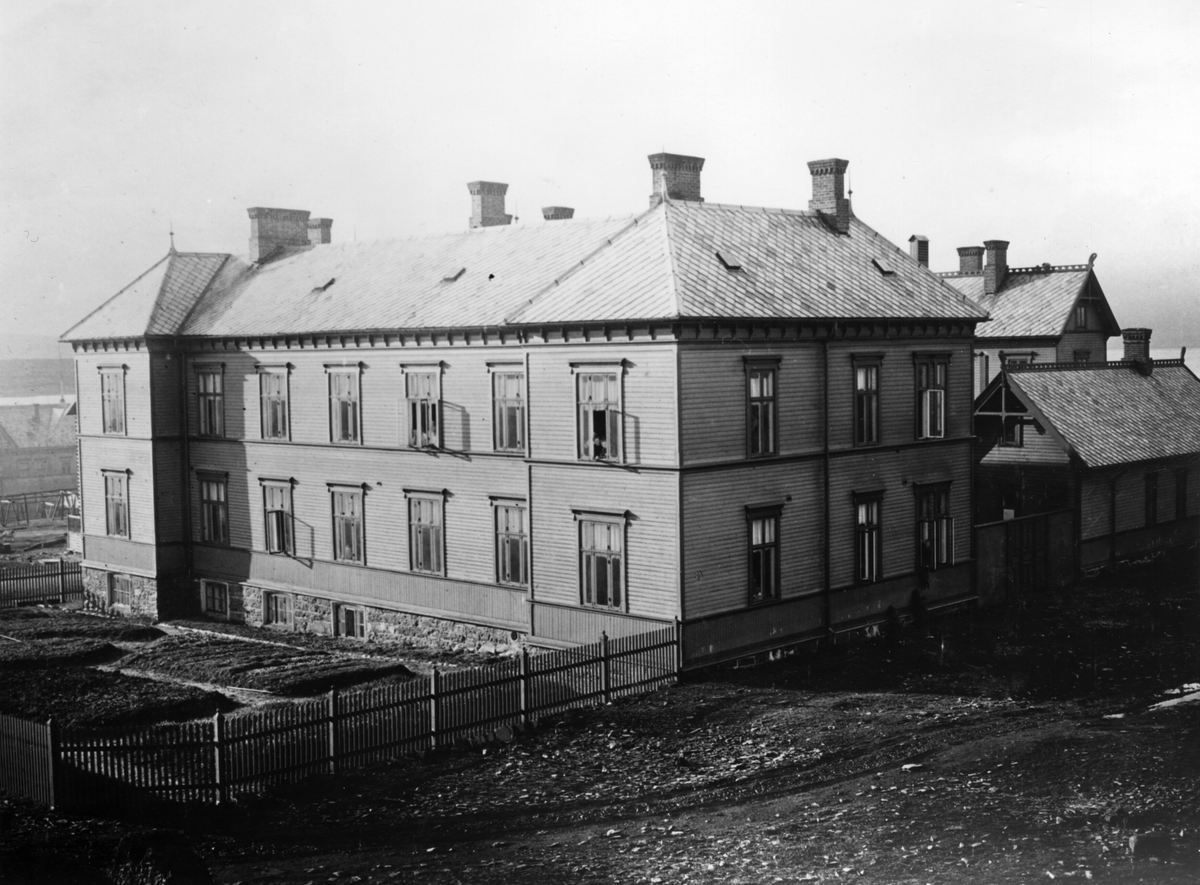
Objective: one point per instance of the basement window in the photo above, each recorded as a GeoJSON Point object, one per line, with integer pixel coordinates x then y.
{"type": "Point", "coordinates": [729, 258]}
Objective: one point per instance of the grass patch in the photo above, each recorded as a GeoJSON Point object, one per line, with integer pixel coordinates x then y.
{"type": "Point", "coordinates": [45, 623]}
{"type": "Point", "coordinates": [75, 652]}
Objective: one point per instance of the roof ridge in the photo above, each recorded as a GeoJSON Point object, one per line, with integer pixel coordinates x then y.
{"type": "Point", "coordinates": [704, 204]}
{"type": "Point", "coordinates": [110, 300]}
{"type": "Point", "coordinates": [672, 275]}
{"type": "Point", "coordinates": [1070, 365]}
{"type": "Point", "coordinates": [200, 297]}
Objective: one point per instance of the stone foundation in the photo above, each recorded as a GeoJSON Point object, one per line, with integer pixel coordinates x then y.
{"type": "Point", "coordinates": [96, 594]}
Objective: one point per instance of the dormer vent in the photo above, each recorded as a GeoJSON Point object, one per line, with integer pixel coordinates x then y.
{"type": "Point", "coordinates": [884, 268]}
{"type": "Point", "coordinates": [729, 258]}
{"type": "Point", "coordinates": [453, 277]}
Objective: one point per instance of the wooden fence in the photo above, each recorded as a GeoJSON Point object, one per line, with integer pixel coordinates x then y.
{"type": "Point", "coordinates": [58, 581]}
{"type": "Point", "coordinates": [211, 761]}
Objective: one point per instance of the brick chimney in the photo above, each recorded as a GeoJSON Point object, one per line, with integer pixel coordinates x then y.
{"type": "Point", "coordinates": [829, 192]}
{"type": "Point", "coordinates": [272, 228]}
{"type": "Point", "coordinates": [557, 213]}
{"type": "Point", "coordinates": [487, 203]}
{"type": "Point", "coordinates": [996, 268]}
{"type": "Point", "coordinates": [319, 231]}
{"type": "Point", "coordinates": [918, 248]}
{"type": "Point", "coordinates": [676, 177]}
{"type": "Point", "coordinates": [970, 259]}
{"type": "Point", "coordinates": [1137, 344]}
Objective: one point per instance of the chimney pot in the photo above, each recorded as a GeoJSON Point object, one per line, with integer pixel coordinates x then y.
{"type": "Point", "coordinates": [487, 203]}
{"type": "Point", "coordinates": [970, 259]}
{"type": "Point", "coordinates": [272, 228]}
{"type": "Point", "coordinates": [675, 177]}
{"type": "Point", "coordinates": [319, 231]}
{"type": "Point", "coordinates": [557, 213]}
{"type": "Point", "coordinates": [918, 248]}
{"type": "Point", "coordinates": [829, 192]}
{"type": "Point", "coordinates": [996, 268]}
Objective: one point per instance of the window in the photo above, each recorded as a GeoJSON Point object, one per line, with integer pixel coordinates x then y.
{"type": "Point", "coordinates": [349, 621]}
{"type": "Point", "coordinates": [112, 399]}
{"type": "Point", "coordinates": [424, 394]}
{"type": "Point", "coordinates": [760, 409]}
{"type": "Point", "coordinates": [347, 525]}
{"type": "Point", "coordinates": [1083, 356]}
{"type": "Point", "coordinates": [935, 527]}
{"type": "Point", "coordinates": [512, 544]}
{"type": "Point", "coordinates": [599, 398]}
{"type": "Point", "coordinates": [508, 398]}
{"type": "Point", "coordinates": [273, 399]}
{"type": "Point", "coordinates": [1016, 359]}
{"type": "Point", "coordinates": [116, 503]}
{"type": "Point", "coordinates": [931, 397]}
{"type": "Point", "coordinates": [214, 597]}
{"type": "Point", "coordinates": [868, 541]}
{"type": "Point", "coordinates": [1081, 315]}
{"type": "Point", "coordinates": [1013, 435]}
{"type": "Point", "coordinates": [277, 513]}
{"type": "Point", "coordinates": [763, 538]}
{"type": "Point", "coordinates": [866, 401]}
{"type": "Point", "coordinates": [277, 610]}
{"type": "Point", "coordinates": [1181, 490]}
{"type": "Point", "coordinates": [120, 590]}
{"type": "Point", "coordinates": [981, 372]}
{"type": "Point", "coordinates": [343, 405]}
{"type": "Point", "coordinates": [600, 545]}
{"type": "Point", "coordinates": [210, 400]}
{"type": "Point", "coordinates": [214, 513]}
{"type": "Point", "coordinates": [1151, 498]}
{"type": "Point", "coordinates": [425, 535]}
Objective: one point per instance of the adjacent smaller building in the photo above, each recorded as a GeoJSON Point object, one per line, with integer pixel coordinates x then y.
{"type": "Point", "coordinates": [1115, 444]}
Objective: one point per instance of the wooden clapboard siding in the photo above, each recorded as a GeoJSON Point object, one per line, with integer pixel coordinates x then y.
{"type": "Point", "coordinates": [713, 391]}
{"type": "Point", "coordinates": [1095, 505]}
{"type": "Point", "coordinates": [897, 473]}
{"type": "Point", "coordinates": [649, 432]}
{"type": "Point", "coordinates": [651, 552]}
{"type": "Point", "coordinates": [1131, 499]}
{"type": "Point", "coordinates": [137, 391]}
{"type": "Point", "coordinates": [118, 453]}
{"type": "Point", "coordinates": [715, 540]}
{"type": "Point", "coordinates": [582, 625]}
{"type": "Point", "coordinates": [1094, 342]}
{"type": "Point", "coordinates": [119, 553]}
{"type": "Point", "coordinates": [168, 491]}
{"type": "Point", "coordinates": [164, 392]}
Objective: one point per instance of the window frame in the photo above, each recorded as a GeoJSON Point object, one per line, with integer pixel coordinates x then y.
{"type": "Point", "coordinates": [503, 535]}
{"type": "Point", "coordinates": [760, 367]}
{"type": "Point", "coordinates": [1151, 499]}
{"type": "Point", "coordinates": [116, 507]}
{"type": "Point", "coordinates": [501, 404]}
{"type": "Point", "coordinates": [1017, 439]}
{"type": "Point", "coordinates": [338, 416]}
{"type": "Point", "coordinates": [283, 399]}
{"type": "Point", "coordinates": [940, 522]}
{"type": "Point", "coordinates": [286, 523]}
{"type": "Point", "coordinates": [926, 369]}
{"type": "Point", "coordinates": [207, 594]}
{"type": "Point", "coordinates": [436, 529]}
{"type": "Point", "coordinates": [113, 579]}
{"type": "Point", "coordinates": [615, 525]}
{"type": "Point", "coordinates": [113, 412]}
{"type": "Point", "coordinates": [355, 521]}
{"type": "Point", "coordinates": [1081, 315]}
{"type": "Point", "coordinates": [614, 423]}
{"type": "Point", "coordinates": [271, 605]}
{"type": "Point", "coordinates": [868, 538]}
{"type": "Point", "coordinates": [210, 404]}
{"type": "Point", "coordinates": [770, 516]}
{"type": "Point", "coordinates": [359, 613]}
{"type": "Point", "coordinates": [210, 508]}
{"type": "Point", "coordinates": [1081, 356]}
{"type": "Point", "coordinates": [431, 413]}
{"type": "Point", "coordinates": [867, 397]}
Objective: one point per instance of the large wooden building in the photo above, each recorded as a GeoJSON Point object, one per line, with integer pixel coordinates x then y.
{"type": "Point", "coordinates": [755, 422]}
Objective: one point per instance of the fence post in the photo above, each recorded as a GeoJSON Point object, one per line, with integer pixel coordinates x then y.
{"type": "Point", "coordinates": [222, 779]}
{"type": "Point", "coordinates": [62, 583]}
{"type": "Point", "coordinates": [334, 748]}
{"type": "Point", "coordinates": [524, 686]}
{"type": "Point", "coordinates": [605, 669]}
{"type": "Point", "coordinates": [434, 679]}
{"type": "Point", "coordinates": [53, 751]}
{"type": "Point", "coordinates": [678, 646]}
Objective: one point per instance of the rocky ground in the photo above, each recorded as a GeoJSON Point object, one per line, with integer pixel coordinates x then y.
{"type": "Point", "coordinates": [975, 749]}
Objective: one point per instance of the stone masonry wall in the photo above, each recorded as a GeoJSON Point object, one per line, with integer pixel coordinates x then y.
{"type": "Point", "coordinates": [96, 590]}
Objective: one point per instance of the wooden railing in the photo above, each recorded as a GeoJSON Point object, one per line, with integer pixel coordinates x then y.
{"type": "Point", "coordinates": [211, 761]}
{"type": "Point", "coordinates": [58, 581]}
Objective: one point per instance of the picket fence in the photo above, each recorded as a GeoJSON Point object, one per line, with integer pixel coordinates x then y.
{"type": "Point", "coordinates": [216, 760]}
{"type": "Point", "coordinates": [51, 582]}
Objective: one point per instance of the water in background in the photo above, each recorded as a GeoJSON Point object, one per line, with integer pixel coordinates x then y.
{"type": "Point", "coordinates": [1116, 350]}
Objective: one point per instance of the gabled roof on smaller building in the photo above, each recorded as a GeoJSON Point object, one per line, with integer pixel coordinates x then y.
{"type": "Point", "coordinates": [1112, 413]}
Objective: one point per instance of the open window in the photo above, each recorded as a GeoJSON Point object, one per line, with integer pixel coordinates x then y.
{"type": "Point", "coordinates": [423, 401]}
{"type": "Point", "coordinates": [932, 372]}
{"type": "Point", "coordinates": [277, 517]}
{"type": "Point", "coordinates": [598, 401]}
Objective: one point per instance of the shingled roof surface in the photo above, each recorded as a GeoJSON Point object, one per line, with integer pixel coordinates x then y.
{"type": "Point", "coordinates": [663, 264]}
{"type": "Point", "coordinates": [153, 304]}
{"type": "Point", "coordinates": [1032, 303]}
{"type": "Point", "coordinates": [1112, 414]}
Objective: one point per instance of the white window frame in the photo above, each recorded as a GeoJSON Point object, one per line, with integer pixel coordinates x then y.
{"type": "Point", "coordinates": [506, 538]}
{"type": "Point", "coordinates": [422, 408]}
{"type": "Point", "coordinates": [586, 374]}
{"type": "Point", "coordinates": [435, 527]}
{"type": "Point", "coordinates": [213, 589]}
{"type": "Point", "coordinates": [116, 504]}
{"type": "Point", "coordinates": [931, 393]}
{"type": "Point", "coordinates": [593, 557]}
{"type": "Point", "coordinates": [358, 617]}
{"type": "Point", "coordinates": [279, 532]}
{"type": "Point", "coordinates": [113, 412]}
{"type": "Point", "coordinates": [113, 579]}
{"type": "Point", "coordinates": [208, 535]}
{"type": "Point", "coordinates": [355, 495]}
{"type": "Point", "coordinates": [502, 405]}
{"type": "Point", "coordinates": [270, 610]}
{"type": "Point", "coordinates": [210, 404]}
{"type": "Point", "coordinates": [284, 397]}
{"type": "Point", "coordinates": [340, 417]}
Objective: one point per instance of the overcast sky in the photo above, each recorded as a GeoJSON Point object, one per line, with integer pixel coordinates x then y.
{"type": "Point", "coordinates": [1065, 127]}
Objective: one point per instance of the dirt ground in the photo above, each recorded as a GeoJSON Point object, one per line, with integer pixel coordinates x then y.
{"type": "Point", "coordinates": [978, 748]}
